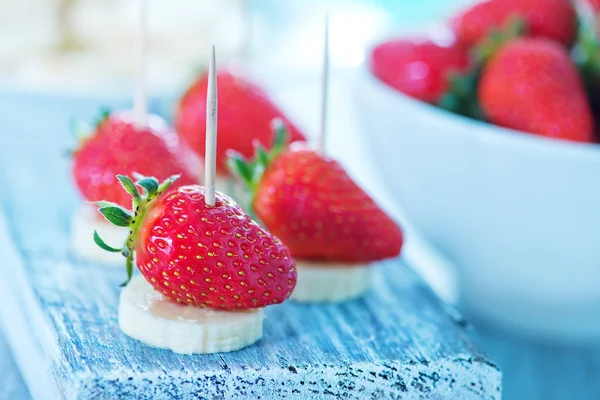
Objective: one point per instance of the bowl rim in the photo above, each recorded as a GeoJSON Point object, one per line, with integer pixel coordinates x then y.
{"type": "Point", "coordinates": [480, 131]}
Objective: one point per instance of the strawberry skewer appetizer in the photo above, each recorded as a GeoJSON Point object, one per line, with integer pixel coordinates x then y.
{"type": "Point", "coordinates": [123, 143]}
{"type": "Point", "coordinates": [245, 115]}
{"type": "Point", "coordinates": [207, 269]}
{"type": "Point", "coordinates": [333, 229]}
{"type": "Point", "coordinates": [244, 118]}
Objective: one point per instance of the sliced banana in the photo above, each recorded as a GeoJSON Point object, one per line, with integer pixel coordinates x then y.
{"type": "Point", "coordinates": [84, 222]}
{"type": "Point", "coordinates": [146, 315]}
{"type": "Point", "coordinates": [327, 282]}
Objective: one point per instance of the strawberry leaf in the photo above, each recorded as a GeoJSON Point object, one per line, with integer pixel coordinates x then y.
{"type": "Point", "coordinates": [239, 167]}
{"type": "Point", "coordinates": [125, 218]}
{"type": "Point", "coordinates": [103, 204]}
{"type": "Point", "coordinates": [281, 136]}
{"type": "Point", "coordinates": [128, 184]}
{"type": "Point", "coordinates": [586, 53]}
{"type": "Point", "coordinates": [166, 183]}
{"type": "Point", "coordinates": [117, 215]}
{"type": "Point", "coordinates": [103, 244]}
{"type": "Point", "coordinates": [103, 116]}
{"type": "Point", "coordinates": [251, 172]}
{"type": "Point", "coordinates": [461, 96]}
{"type": "Point", "coordinates": [82, 130]}
{"type": "Point", "coordinates": [261, 155]}
{"type": "Point", "coordinates": [150, 184]}
{"type": "Point", "coordinates": [261, 161]}
{"type": "Point", "coordinates": [488, 46]}
{"type": "Point", "coordinates": [257, 172]}
{"type": "Point", "coordinates": [129, 268]}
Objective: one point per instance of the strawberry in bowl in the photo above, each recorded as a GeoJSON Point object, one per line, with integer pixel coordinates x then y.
{"type": "Point", "coordinates": [207, 271]}
{"type": "Point", "coordinates": [552, 19]}
{"type": "Point", "coordinates": [118, 146]}
{"type": "Point", "coordinates": [531, 84]}
{"type": "Point", "coordinates": [245, 115]}
{"type": "Point", "coordinates": [418, 68]}
{"type": "Point", "coordinates": [333, 229]}
{"type": "Point", "coordinates": [508, 195]}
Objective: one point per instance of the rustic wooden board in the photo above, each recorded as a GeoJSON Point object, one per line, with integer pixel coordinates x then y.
{"type": "Point", "coordinates": [12, 386]}
{"type": "Point", "coordinates": [60, 312]}
{"type": "Point", "coordinates": [396, 343]}
{"type": "Point", "coordinates": [60, 315]}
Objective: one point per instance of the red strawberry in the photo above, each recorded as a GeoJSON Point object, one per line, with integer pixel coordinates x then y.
{"type": "Point", "coordinates": [317, 210]}
{"type": "Point", "coordinates": [214, 257]}
{"type": "Point", "coordinates": [245, 115]}
{"type": "Point", "coordinates": [553, 19]}
{"type": "Point", "coordinates": [595, 4]}
{"type": "Point", "coordinates": [118, 147]}
{"type": "Point", "coordinates": [418, 69]}
{"type": "Point", "coordinates": [532, 85]}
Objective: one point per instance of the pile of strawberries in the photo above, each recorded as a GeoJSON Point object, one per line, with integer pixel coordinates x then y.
{"type": "Point", "coordinates": [529, 65]}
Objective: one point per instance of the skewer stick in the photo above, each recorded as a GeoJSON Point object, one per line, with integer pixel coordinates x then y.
{"type": "Point", "coordinates": [66, 39]}
{"type": "Point", "coordinates": [210, 159]}
{"type": "Point", "coordinates": [140, 100]}
{"type": "Point", "coordinates": [324, 88]}
{"type": "Point", "coordinates": [248, 32]}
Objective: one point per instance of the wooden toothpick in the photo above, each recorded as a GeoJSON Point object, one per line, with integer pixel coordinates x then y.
{"type": "Point", "coordinates": [248, 32]}
{"type": "Point", "coordinates": [140, 100]}
{"type": "Point", "coordinates": [210, 159]}
{"type": "Point", "coordinates": [324, 88]}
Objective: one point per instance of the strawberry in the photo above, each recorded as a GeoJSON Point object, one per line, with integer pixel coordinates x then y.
{"type": "Point", "coordinates": [419, 69]}
{"type": "Point", "coordinates": [118, 147]}
{"type": "Point", "coordinates": [204, 256]}
{"type": "Point", "coordinates": [317, 210]}
{"type": "Point", "coordinates": [553, 19]}
{"type": "Point", "coordinates": [245, 114]}
{"type": "Point", "coordinates": [586, 52]}
{"type": "Point", "coordinates": [595, 4]}
{"type": "Point", "coordinates": [531, 84]}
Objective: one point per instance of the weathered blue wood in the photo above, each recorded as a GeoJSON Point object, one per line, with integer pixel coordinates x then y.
{"type": "Point", "coordinates": [12, 386]}
{"type": "Point", "coordinates": [398, 342]}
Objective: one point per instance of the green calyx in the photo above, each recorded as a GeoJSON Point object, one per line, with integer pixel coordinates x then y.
{"type": "Point", "coordinates": [119, 216]}
{"type": "Point", "coordinates": [250, 172]}
{"type": "Point", "coordinates": [82, 130]}
{"type": "Point", "coordinates": [586, 54]}
{"type": "Point", "coordinates": [461, 96]}
{"type": "Point", "coordinates": [514, 27]}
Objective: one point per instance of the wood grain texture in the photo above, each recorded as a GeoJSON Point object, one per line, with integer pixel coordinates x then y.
{"type": "Point", "coordinates": [60, 313]}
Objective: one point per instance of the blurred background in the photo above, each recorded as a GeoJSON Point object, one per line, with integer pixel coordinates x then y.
{"type": "Point", "coordinates": [68, 44]}
{"type": "Point", "coordinates": [61, 59]}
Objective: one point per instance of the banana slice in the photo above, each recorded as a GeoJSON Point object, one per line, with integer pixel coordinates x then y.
{"type": "Point", "coordinates": [84, 222]}
{"type": "Point", "coordinates": [145, 315]}
{"type": "Point", "coordinates": [327, 282]}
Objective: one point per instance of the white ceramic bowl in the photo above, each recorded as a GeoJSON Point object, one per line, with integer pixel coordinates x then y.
{"type": "Point", "coordinates": [518, 215]}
